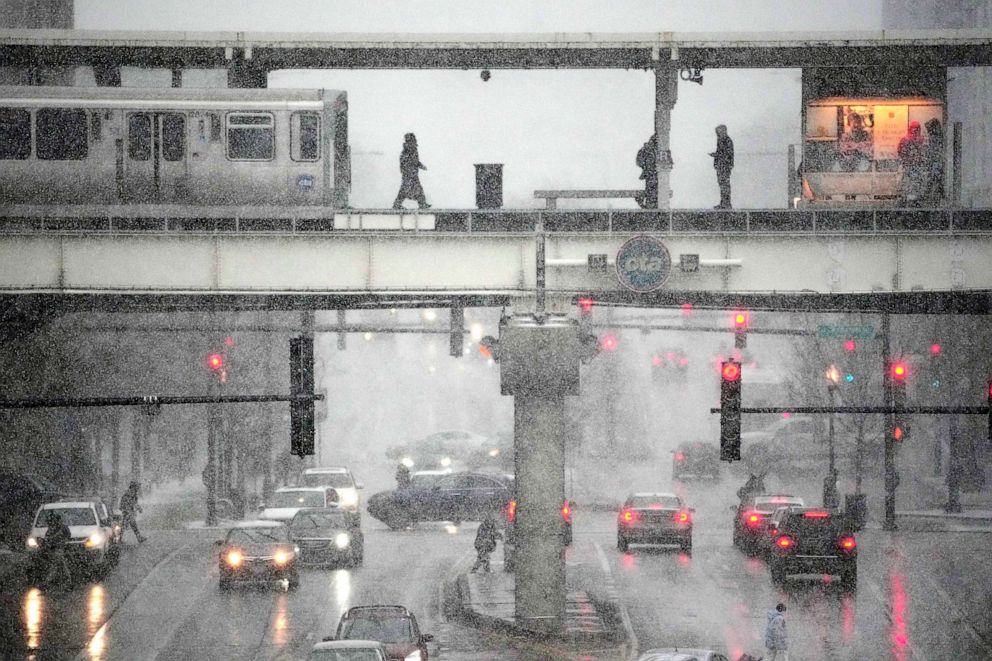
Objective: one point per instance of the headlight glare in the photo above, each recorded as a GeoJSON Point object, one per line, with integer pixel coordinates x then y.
{"type": "Point", "coordinates": [281, 557]}
{"type": "Point", "coordinates": [342, 540]}
{"type": "Point", "coordinates": [94, 540]}
{"type": "Point", "coordinates": [32, 543]}
{"type": "Point", "coordinates": [412, 656]}
{"type": "Point", "coordinates": [234, 558]}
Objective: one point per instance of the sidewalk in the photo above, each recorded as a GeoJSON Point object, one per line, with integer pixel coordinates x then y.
{"type": "Point", "coordinates": [931, 497]}
{"type": "Point", "coordinates": [592, 630]}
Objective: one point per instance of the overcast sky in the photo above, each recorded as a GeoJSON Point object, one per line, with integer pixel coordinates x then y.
{"type": "Point", "coordinates": [550, 129]}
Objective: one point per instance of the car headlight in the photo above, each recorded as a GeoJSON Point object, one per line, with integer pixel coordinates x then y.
{"type": "Point", "coordinates": [234, 558]}
{"type": "Point", "coordinates": [94, 540]}
{"type": "Point", "coordinates": [32, 542]}
{"type": "Point", "coordinates": [412, 656]}
{"type": "Point", "coordinates": [281, 557]}
{"type": "Point", "coordinates": [348, 498]}
{"type": "Point", "coordinates": [342, 540]}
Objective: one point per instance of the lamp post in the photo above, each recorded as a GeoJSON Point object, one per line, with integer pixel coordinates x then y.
{"type": "Point", "coordinates": [830, 496]}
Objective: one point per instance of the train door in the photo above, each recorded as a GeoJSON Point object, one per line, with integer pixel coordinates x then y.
{"type": "Point", "coordinates": [154, 161]}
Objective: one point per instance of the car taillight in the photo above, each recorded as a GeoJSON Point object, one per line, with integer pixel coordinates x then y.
{"type": "Point", "coordinates": [511, 511]}
{"type": "Point", "coordinates": [816, 515]}
{"type": "Point", "coordinates": [784, 542]}
{"type": "Point", "coordinates": [682, 517]}
{"type": "Point", "coordinates": [753, 518]}
{"type": "Point", "coordinates": [628, 515]}
{"type": "Point", "coordinates": [566, 513]}
{"type": "Point", "coordinates": [847, 543]}
{"type": "Point", "coordinates": [679, 457]}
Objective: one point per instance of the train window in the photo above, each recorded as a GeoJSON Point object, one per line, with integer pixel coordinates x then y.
{"type": "Point", "coordinates": [15, 134]}
{"type": "Point", "coordinates": [250, 137]}
{"type": "Point", "coordinates": [61, 134]}
{"type": "Point", "coordinates": [139, 136]}
{"type": "Point", "coordinates": [173, 137]}
{"type": "Point", "coordinates": [305, 136]}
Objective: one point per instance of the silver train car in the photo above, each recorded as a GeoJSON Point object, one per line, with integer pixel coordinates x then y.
{"type": "Point", "coordinates": [100, 145]}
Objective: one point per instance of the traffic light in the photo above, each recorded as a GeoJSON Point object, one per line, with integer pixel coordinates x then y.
{"type": "Point", "coordinates": [217, 364]}
{"type": "Point", "coordinates": [730, 411]}
{"type": "Point", "coordinates": [585, 307]}
{"type": "Point", "coordinates": [301, 411]}
{"type": "Point", "coordinates": [850, 346]}
{"type": "Point", "coordinates": [608, 342]}
{"type": "Point", "coordinates": [898, 375]}
{"type": "Point", "coordinates": [740, 328]}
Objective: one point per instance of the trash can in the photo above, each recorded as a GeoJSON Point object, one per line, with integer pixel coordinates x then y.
{"type": "Point", "coordinates": [856, 509]}
{"type": "Point", "coordinates": [489, 185]}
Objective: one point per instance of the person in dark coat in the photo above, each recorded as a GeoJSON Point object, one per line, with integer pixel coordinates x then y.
{"type": "Point", "coordinates": [647, 160]}
{"type": "Point", "coordinates": [402, 477]}
{"type": "Point", "coordinates": [755, 485]}
{"type": "Point", "coordinates": [485, 542]}
{"type": "Point", "coordinates": [911, 152]}
{"type": "Point", "coordinates": [57, 538]}
{"type": "Point", "coordinates": [130, 509]}
{"type": "Point", "coordinates": [723, 161]}
{"type": "Point", "coordinates": [410, 166]}
{"type": "Point", "coordinates": [934, 157]}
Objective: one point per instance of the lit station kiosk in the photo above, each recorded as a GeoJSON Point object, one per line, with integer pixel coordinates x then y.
{"type": "Point", "coordinates": [852, 126]}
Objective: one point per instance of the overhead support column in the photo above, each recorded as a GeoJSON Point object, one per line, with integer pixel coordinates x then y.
{"type": "Point", "coordinates": [666, 86]}
{"type": "Point", "coordinates": [242, 72]}
{"type": "Point", "coordinates": [539, 366]}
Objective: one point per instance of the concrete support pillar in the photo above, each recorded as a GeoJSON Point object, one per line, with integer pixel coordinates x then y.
{"type": "Point", "coordinates": [243, 73]}
{"type": "Point", "coordinates": [115, 454]}
{"type": "Point", "coordinates": [539, 366]}
{"type": "Point", "coordinates": [666, 81]}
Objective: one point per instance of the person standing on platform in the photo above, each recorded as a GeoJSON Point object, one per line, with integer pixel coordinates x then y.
{"type": "Point", "coordinates": [723, 162]}
{"type": "Point", "coordinates": [647, 160]}
{"type": "Point", "coordinates": [410, 166]}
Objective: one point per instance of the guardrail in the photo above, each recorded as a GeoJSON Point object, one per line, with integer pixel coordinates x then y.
{"type": "Point", "coordinates": [305, 220]}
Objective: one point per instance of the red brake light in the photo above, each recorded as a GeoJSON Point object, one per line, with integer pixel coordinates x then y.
{"type": "Point", "coordinates": [628, 515]}
{"type": "Point", "coordinates": [511, 511]}
{"type": "Point", "coordinates": [816, 515]}
{"type": "Point", "coordinates": [848, 543]}
{"type": "Point", "coordinates": [680, 457]}
{"type": "Point", "coordinates": [566, 513]}
{"type": "Point", "coordinates": [784, 542]}
{"type": "Point", "coordinates": [754, 518]}
{"type": "Point", "coordinates": [682, 517]}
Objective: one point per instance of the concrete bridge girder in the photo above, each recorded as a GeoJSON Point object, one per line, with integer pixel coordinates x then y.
{"type": "Point", "coordinates": [440, 262]}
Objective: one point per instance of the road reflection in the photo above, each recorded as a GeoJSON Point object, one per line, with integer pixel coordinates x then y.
{"type": "Point", "coordinates": [899, 636]}
{"type": "Point", "coordinates": [280, 621]}
{"type": "Point", "coordinates": [96, 603]}
{"type": "Point", "coordinates": [34, 616]}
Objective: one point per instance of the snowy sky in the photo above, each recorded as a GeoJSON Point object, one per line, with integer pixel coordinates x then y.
{"type": "Point", "coordinates": [550, 129]}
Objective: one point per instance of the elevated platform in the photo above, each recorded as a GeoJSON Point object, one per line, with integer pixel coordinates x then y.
{"type": "Point", "coordinates": [166, 258]}
{"type": "Point", "coordinates": [270, 51]}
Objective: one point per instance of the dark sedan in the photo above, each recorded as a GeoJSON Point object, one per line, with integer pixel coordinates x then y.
{"type": "Point", "coordinates": [654, 518]}
{"type": "Point", "coordinates": [456, 497]}
{"type": "Point", "coordinates": [327, 537]}
{"type": "Point", "coordinates": [257, 555]}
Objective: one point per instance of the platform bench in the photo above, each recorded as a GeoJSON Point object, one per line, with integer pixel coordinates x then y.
{"type": "Point", "coordinates": [551, 197]}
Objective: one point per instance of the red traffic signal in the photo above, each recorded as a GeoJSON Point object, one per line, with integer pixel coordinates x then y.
{"type": "Point", "coordinates": [730, 371]}
{"type": "Point", "coordinates": [899, 370]}
{"type": "Point", "coordinates": [585, 306]}
{"type": "Point", "coordinates": [740, 319]}
{"type": "Point", "coordinates": [935, 349]}
{"type": "Point", "coordinates": [898, 433]}
{"type": "Point", "coordinates": [215, 361]}
{"type": "Point", "coordinates": [850, 346]}
{"type": "Point", "coordinates": [608, 342]}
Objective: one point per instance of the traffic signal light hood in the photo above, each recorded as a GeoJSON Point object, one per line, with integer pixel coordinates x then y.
{"type": "Point", "coordinates": [730, 411]}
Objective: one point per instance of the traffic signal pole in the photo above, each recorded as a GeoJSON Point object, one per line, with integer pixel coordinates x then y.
{"type": "Point", "coordinates": [891, 476]}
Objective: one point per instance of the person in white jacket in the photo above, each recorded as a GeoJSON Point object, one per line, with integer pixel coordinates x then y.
{"type": "Point", "coordinates": [776, 638]}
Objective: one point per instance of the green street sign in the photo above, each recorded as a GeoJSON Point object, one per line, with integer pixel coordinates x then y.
{"type": "Point", "coordinates": [837, 332]}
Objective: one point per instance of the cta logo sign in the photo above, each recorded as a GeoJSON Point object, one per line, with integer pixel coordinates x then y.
{"type": "Point", "coordinates": [643, 264]}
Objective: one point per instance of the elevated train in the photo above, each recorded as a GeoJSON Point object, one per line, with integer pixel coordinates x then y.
{"type": "Point", "coordinates": [103, 145]}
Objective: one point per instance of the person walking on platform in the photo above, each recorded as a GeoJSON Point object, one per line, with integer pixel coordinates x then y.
{"type": "Point", "coordinates": [410, 166]}
{"type": "Point", "coordinates": [130, 509]}
{"type": "Point", "coordinates": [723, 161]}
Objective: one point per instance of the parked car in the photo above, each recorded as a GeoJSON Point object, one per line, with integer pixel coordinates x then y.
{"type": "Point", "coordinates": [348, 650]}
{"type": "Point", "coordinates": [457, 497]}
{"type": "Point", "coordinates": [812, 541]}
{"type": "Point", "coordinates": [287, 501]}
{"type": "Point", "coordinates": [696, 460]}
{"type": "Point", "coordinates": [340, 479]}
{"type": "Point", "coordinates": [654, 518]}
{"type": "Point", "coordinates": [258, 554]}
{"type": "Point", "coordinates": [95, 544]}
{"type": "Point", "coordinates": [327, 537]}
{"type": "Point", "coordinates": [394, 626]}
